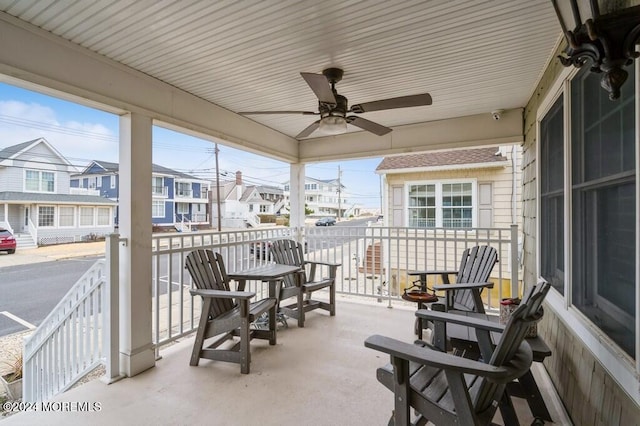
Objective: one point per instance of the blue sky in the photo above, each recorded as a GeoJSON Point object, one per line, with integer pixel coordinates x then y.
{"type": "Point", "coordinates": [83, 134]}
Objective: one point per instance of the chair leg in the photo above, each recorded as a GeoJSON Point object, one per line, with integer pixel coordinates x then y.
{"type": "Point", "coordinates": [201, 333]}
{"type": "Point", "coordinates": [300, 309]}
{"type": "Point", "coordinates": [245, 352]}
{"type": "Point", "coordinates": [402, 409]}
{"type": "Point", "coordinates": [332, 298]}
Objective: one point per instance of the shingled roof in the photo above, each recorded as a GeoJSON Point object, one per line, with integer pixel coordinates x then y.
{"type": "Point", "coordinates": [443, 158]}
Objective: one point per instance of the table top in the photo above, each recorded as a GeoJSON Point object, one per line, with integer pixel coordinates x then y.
{"type": "Point", "coordinates": [264, 272]}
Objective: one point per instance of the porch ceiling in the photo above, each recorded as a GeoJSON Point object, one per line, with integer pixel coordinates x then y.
{"type": "Point", "coordinates": [471, 56]}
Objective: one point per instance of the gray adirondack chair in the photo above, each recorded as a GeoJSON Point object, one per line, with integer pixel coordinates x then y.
{"type": "Point", "coordinates": [446, 389]}
{"type": "Point", "coordinates": [303, 284]}
{"type": "Point", "coordinates": [224, 312]}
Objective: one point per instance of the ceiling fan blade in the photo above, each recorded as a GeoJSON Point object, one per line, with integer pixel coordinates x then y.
{"type": "Point", "coordinates": [368, 125]}
{"type": "Point", "coordinates": [310, 129]}
{"type": "Point", "coordinates": [393, 103]}
{"type": "Point", "coordinates": [278, 112]}
{"type": "Point", "coordinates": [320, 86]}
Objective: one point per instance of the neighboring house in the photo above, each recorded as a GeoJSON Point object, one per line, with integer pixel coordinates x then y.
{"type": "Point", "coordinates": [470, 188]}
{"type": "Point", "coordinates": [179, 199]}
{"type": "Point", "coordinates": [273, 194]}
{"type": "Point", "coordinates": [240, 204]}
{"type": "Point", "coordinates": [326, 197]}
{"type": "Point", "coordinates": [37, 203]}
{"type": "Point", "coordinates": [456, 189]}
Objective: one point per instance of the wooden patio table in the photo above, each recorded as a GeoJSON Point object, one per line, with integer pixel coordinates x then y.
{"type": "Point", "coordinates": [271, 273]}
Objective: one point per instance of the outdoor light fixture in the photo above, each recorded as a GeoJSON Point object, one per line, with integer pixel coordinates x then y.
{"type": "Point", "coordinates": [332, 125]}
{"type": "Point", "coordinates": [602, 32]}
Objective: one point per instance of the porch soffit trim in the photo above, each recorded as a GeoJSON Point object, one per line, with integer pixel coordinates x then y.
{"type": "Point", "coordinates": [461, 132]}
{"type": "Point", "coordinates": [492, 165]}
{"type": "Point", "coordinates": [88, 78]}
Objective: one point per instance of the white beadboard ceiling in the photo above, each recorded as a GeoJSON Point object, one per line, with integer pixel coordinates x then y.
{"type": "Point", "coordinates": [472, 56]}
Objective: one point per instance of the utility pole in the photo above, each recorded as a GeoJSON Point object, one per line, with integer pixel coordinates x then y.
{"type": "Point", "coordinates": [339, 194]}
{"type": "Point", "coordinates": [218, 189]}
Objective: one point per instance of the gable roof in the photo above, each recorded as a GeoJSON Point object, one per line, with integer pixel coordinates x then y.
{"type": "Point", "coordinates": [110, 167]}
{"type": "Point", "coordinates": [482, 157]}
{"type": "Point", "coordinates": [13, 151]}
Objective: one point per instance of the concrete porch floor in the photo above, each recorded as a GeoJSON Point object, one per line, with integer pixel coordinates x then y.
{"type": "Point", "coordinates": [319, 375]}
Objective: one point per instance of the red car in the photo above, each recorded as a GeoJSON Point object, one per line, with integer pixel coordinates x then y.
{"type": "Point", "coordinates": [7, 242]}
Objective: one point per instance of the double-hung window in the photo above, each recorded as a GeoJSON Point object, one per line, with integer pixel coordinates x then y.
{"type": "Point", "coordinates": [157, 208]}
{"type": "Point", "coordinates": [441, 204]}
{"type": "Point", "coordinates": [39, 181]}
{"type": "Point", "coordinates": [598, 191]}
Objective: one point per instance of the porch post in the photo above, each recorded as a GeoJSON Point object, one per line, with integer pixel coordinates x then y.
{"type": "Point", "coordinates": [296, 197]}
{"type": "Point", "coordinates": [136, 344]}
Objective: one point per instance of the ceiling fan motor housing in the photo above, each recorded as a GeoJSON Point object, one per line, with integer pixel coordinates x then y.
{"type": "Point", "coordinates": [337, 110]}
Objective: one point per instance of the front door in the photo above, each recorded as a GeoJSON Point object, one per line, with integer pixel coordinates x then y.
{"type": "Point", "coordinates": [25, 219]}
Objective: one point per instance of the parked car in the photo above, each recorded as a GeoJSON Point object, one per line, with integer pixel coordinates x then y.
{"type": "Point", "coordinates": [7, 241]}
{"type": "Point", "coordinates": [326, 221]}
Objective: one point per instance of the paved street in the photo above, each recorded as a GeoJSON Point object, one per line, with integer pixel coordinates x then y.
{"type": "Point", "coordinates": [29, 292]}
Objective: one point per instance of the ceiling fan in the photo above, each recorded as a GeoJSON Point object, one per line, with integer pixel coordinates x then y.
{"type": "Point", "coordinates": [333, 108]}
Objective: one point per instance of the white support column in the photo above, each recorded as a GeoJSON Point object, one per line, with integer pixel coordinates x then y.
{"type": "Point", "coordinates": [296, 196]}
{"type": "Point", "coordinates": [136, 345]}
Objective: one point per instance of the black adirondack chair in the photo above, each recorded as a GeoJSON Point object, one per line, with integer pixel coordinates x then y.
{"type": "Point", "coordinates": [304, 283]}
{"type": "Point", "coordinates": [447, 389]}
{"type": "Point", "coordinates": [224, 312]}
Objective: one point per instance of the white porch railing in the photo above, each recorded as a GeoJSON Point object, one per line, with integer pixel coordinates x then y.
{"type": "Point", "coordinates": [252, 219]}
{"type": "Point", "coordinates": [79, 334]}
{"type": "Point", "coordinates": [176, 313]}
{"type": "Point", "coordinates": [182, 223]}
{"type": "Point", "coordinates": [7, 226]}
{"type": "Point", "coordinates": [33, 231]}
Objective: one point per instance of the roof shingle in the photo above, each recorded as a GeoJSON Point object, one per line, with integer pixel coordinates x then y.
{"type": "Point", "coordinates": [444, 158]}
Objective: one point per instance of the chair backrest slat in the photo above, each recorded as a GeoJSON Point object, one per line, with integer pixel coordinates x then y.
{"type": "Point", "coordinates": [475, 267]}
{"type": "Point", "coordinates": [288, 252]}
{"type": "Point", "coordinates": [208, 272]}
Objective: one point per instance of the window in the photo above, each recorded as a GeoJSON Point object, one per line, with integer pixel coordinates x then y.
{"type": "Point", "coordinates": [552, 196]}
{"type": "Point", "coordinates": [112, 181]}
{"type": "Point", "coordinates": [183, 189]}
{"type": "Point", "coordinates": [46, 215]}
{"type": "Point", "coordinates": [86, 216]}
{"type": "Point", "coordinates": [66, 216]}
{"type": "Point", "coordinates": [441, 204]}
{"type": "Point", "coordinates": [182, 208]}
{"type": "Point", "coordinates": [158, 186]}
{"type": "Point", "coordinates": [264, 208]}
{"type": "Point", "coordinates": [104, 216]}
{"type": "Point", "coordinates": [38, 181]}
{"type": "Point", "coordinates": [603, 197]}
{"type": "Point", "coordinates": [98, 181]}
{"type": "Point", "coordinates": [157, 208]}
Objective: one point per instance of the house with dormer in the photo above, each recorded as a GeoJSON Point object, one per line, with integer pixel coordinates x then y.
{"type": "Point", "coordinates": [38, 204]}
{"type": "Point", "coordinates": [179, 199]}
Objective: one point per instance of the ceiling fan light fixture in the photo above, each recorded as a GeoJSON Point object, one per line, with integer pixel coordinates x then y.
{"type": "Point", "coordinates": [333, 125]}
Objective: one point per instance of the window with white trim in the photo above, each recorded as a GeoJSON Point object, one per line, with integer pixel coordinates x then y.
{"type": "Point", "coordinates": [103, 216]}
{"type": "Point", "coordinates": [46, 216]}
{"type": "Point", "coordinates": [39, 181]}
{"type": "Point", "coordinates": [86, 216]}
{"type": "Point", "coordinates": [157, 208]}
{"type": "Point", "coordinates": [182, 208]}
{"type": "Point", "coordinates": [600, 190]}
{"type": "Point", "coordinates": [66, 216]}
{"type": "Point", "coordinates": [441, 204]}
{"type": "Point", "coordinates": [112, 181]}
{"type": "Point", "coordinates": [158, 186]}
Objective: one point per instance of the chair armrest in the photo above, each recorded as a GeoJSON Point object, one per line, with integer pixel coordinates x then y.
{"type": "Point", "coordinates": [437, 272]}
{"type": "Point", "coordinates": [330, 264]}
{"type": "Point", "coordinates": [425, 356]}
{"type": "Point", "coordinates": [477, 323]}
{"type": "Point", "coordinates": [462, 286]}
{"type": "Point", "coordinates": [223, 294]}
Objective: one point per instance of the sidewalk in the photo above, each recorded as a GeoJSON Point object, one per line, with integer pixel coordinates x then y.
{"type": "Point", "coordinates": [52, 253]}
